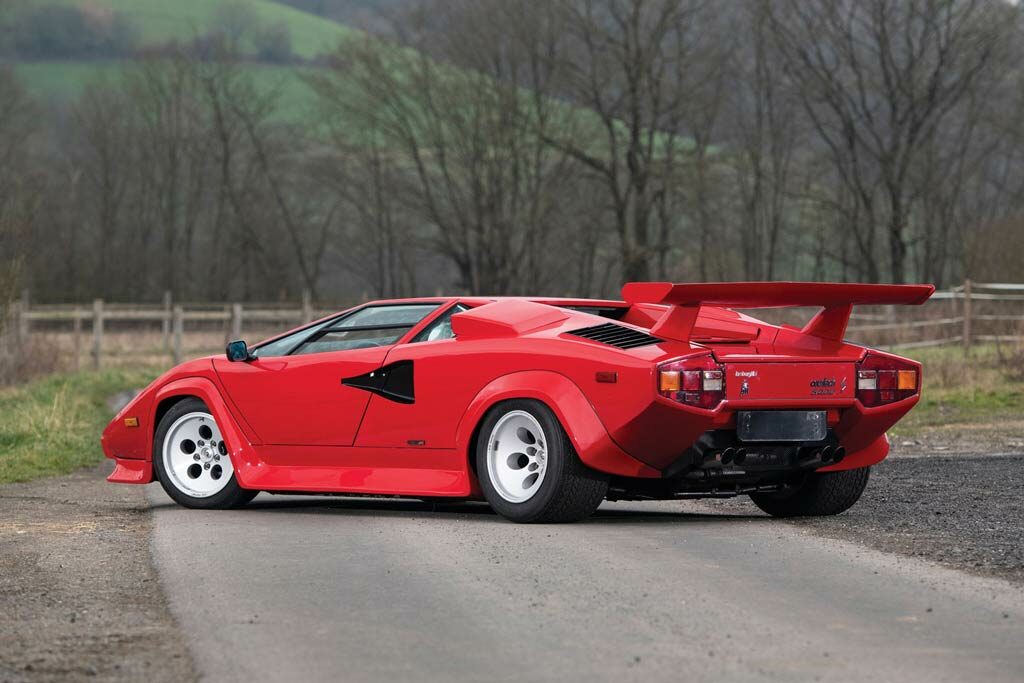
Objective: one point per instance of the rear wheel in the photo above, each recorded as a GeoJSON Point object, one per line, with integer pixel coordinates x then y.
{"type": "Point", "coordinates": [529, 470]}
{"type": "Point", "coordinates": [191, 459]}
{"type": "Point", "coordinates": [819, 495]}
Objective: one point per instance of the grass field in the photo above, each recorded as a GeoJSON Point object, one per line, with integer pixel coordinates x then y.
{"type": "Point", "coordinates": [62, 82]}
{"type": "Point", "coordinates": [160, 21]}
{"type": "Point", "coordinates": [985, 388]}
{"type": "Point", "coordinates": [52, 426]}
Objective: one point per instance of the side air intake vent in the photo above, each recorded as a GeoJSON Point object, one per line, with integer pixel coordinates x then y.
{"type": "Point", "coordinates": [616, 335]}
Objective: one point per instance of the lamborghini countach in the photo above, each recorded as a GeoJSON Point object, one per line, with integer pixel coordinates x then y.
{"type": "Point", "coordinates": [543, 407]}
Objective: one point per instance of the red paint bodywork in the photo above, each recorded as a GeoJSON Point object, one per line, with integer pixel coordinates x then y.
{"type": "Point", "coordinates": [292, 426]}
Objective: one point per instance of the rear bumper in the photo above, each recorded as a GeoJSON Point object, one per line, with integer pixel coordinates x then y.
{"type": "Point", "coordinates": [720, 453]}
{"type": "Point", "coordinates": [665, 432]}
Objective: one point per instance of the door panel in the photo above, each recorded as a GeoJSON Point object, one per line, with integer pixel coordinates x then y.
{"type": "Point", "coordinates": [447, 375]}
{"type": "Point", "coordinates": [300, 400]}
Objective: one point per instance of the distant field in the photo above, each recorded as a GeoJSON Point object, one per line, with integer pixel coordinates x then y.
{"type": "Point", "coordinates": [160, 21]}
{"type": "Point", "coordinates": [62, 82]}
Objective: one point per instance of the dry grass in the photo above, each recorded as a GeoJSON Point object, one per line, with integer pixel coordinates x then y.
{"type": "Point", "coordinates": [985, 387]}
{"type": "Point", "coordinates": [52, 425]}
{"type": "Point", "coordinates": [23, 361]}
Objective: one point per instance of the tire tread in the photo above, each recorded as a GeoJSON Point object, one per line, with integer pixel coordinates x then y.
{"type": "Point", "coordinates": [578, 490]}
{"type": "Point", "coordinates": [231, 496]}
{"type": "Point", "coordinates": [821, 494]}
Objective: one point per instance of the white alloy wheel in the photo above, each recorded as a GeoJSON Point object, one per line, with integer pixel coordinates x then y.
{"type": "Point", "coordinates": [195, 456]}
{"type": "Point", "coordinates": [517, 456]}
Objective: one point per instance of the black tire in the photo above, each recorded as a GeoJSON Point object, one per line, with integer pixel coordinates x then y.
{"type": "Point", "coordinates": [570, 491]}
{"type": "Point", "coordinates": [819, 495]}
{"type": "Point", "coordinates": [231, 496]}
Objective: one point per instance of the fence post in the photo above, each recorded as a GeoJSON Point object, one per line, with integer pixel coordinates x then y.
{"type": "Point", "coordinates": [236, 321]}
{"type": "Point", "coordinates": [165, 324]}
{"type": "Point", "coordinates": [23, 322]}
{"type": "Point", "coordinates": [77, 341]}
{"type": "Point", "coordinates": [179, 329]}
{"type": "Point", "coordinates": [97, 334]}
{"type": "Point", "coordinates": [967, 316]}
{"type": "Point", "coordinates": [14, 323]}
{"type": "Point", "coordinates": [307, 306]}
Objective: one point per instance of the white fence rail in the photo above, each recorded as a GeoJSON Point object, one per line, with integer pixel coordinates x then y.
{"type": "Point", "coordinates": [973, 312]}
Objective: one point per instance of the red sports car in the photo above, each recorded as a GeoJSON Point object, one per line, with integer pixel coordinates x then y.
{"type": "Point", "coordinates": [544, 407]}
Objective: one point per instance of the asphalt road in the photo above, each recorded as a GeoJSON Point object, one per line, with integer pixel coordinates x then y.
{"type": "Point", "coordinates": [360, 590]}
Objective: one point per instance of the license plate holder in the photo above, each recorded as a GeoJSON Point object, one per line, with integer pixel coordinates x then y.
{"type": "Point", "coordinates": [781, 425]}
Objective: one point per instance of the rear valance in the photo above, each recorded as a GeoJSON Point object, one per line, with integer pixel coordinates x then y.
{"type": "Point", "coordinates": [837, 298]}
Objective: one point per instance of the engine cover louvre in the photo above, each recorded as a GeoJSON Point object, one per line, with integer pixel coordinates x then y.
{"type": "Point", "coordinates": [616, 335]}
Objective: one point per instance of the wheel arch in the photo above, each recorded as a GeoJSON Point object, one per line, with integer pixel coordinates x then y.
{"type": "Point", "coordinates": [571, 408]}
{"type": "Point", "coordinates": [240, 449]}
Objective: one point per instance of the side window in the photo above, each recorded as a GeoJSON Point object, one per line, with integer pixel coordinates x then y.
{"type": "Point", "coordinates": [440, 328]}
{"type": "Point", "coordinates": [366, 328]}
{"type": "Point", "coordinates": [285, 345]}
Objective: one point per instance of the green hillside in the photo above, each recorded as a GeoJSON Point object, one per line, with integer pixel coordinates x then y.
{"type": "Point", "coordinates": [61, 82]}
{"type": "Point", "coordinates": [158, 22]}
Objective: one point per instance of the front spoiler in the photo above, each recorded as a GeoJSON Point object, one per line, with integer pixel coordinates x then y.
{"type": "Point", "coordinates": [128, 471]}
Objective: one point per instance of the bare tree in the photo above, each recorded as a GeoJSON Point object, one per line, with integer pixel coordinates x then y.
{"type": "Point", "coordinates": [380, 242]}
{"type": "Point", "coordinates": [622, 66]}
{"type": "Point", "coordinates": [19, 186]}
{"type": "Point", "coordinates": [471, 139]}
{"type": "Point", "coordinates": [766, 127]}
{"type": "Point", "coordinates": [103, 158]}
{"type": "Point", "coordinates": [876, 79]}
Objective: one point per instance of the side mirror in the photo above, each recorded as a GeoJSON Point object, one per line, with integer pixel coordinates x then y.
{"type": "Point", "coordinates": [238, 352]}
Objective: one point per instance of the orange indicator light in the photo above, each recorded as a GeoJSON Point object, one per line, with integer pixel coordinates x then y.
{"type": "Point", "coordinates": [906, 379]}
{"type": "Point", "coordinates": [668, 380]}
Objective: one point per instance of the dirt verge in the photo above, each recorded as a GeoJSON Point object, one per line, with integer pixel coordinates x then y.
{"type": "Point", "coordinates": [81, 599]}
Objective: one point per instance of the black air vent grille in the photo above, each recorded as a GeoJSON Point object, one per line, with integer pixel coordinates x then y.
{"type": "Point", "coordinates": [616, 335]}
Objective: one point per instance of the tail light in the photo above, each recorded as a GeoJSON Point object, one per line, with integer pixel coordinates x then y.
{"type": "Point", "coordinates": [882, 379]}
{"type": "Point", "coordinates": [697, 381]}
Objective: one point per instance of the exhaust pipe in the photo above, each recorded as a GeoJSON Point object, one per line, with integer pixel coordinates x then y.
{"type": "Point", "coordinates": [827, 454]}
{"type": "Point", "coordinates": [839, 455]}
{"type": "Point", "coordinates": [741, 456]}
{"type": "Point", "coordinates": [727, 456]}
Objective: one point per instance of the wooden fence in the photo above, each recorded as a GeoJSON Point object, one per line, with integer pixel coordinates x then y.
{"type": "Point", "coordinates": [104, 332]}
{"type": "Point", "coordinates": [169, 329]}
{"type": "Point", "coordinates": [967, 314]}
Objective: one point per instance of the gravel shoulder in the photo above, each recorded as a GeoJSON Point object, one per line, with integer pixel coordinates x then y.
{"type": "Point", "coordinates": [81, 598]}
{"type": "Point", "coordinates": [964, 511]}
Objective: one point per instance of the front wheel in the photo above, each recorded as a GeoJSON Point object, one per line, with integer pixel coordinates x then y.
{"type": "Point", "coordinates": [192, 462]}
{"type": "Point", "coordinates": [528, 468]}
{"type": "Point", "coordinates": [818, 495]}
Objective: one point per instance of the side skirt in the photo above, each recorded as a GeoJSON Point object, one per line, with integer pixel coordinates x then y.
{"type": "Point", "coordinates": [337, 469]}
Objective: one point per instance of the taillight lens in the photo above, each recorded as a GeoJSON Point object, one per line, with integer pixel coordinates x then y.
{"type": "Point", "coordinates": [881, 380]}
{"type": "Point", "coordinates": [697, 381]}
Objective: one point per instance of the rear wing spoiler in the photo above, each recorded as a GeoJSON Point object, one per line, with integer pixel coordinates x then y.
{"type": "Point", "coordinates": [837, 300]}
